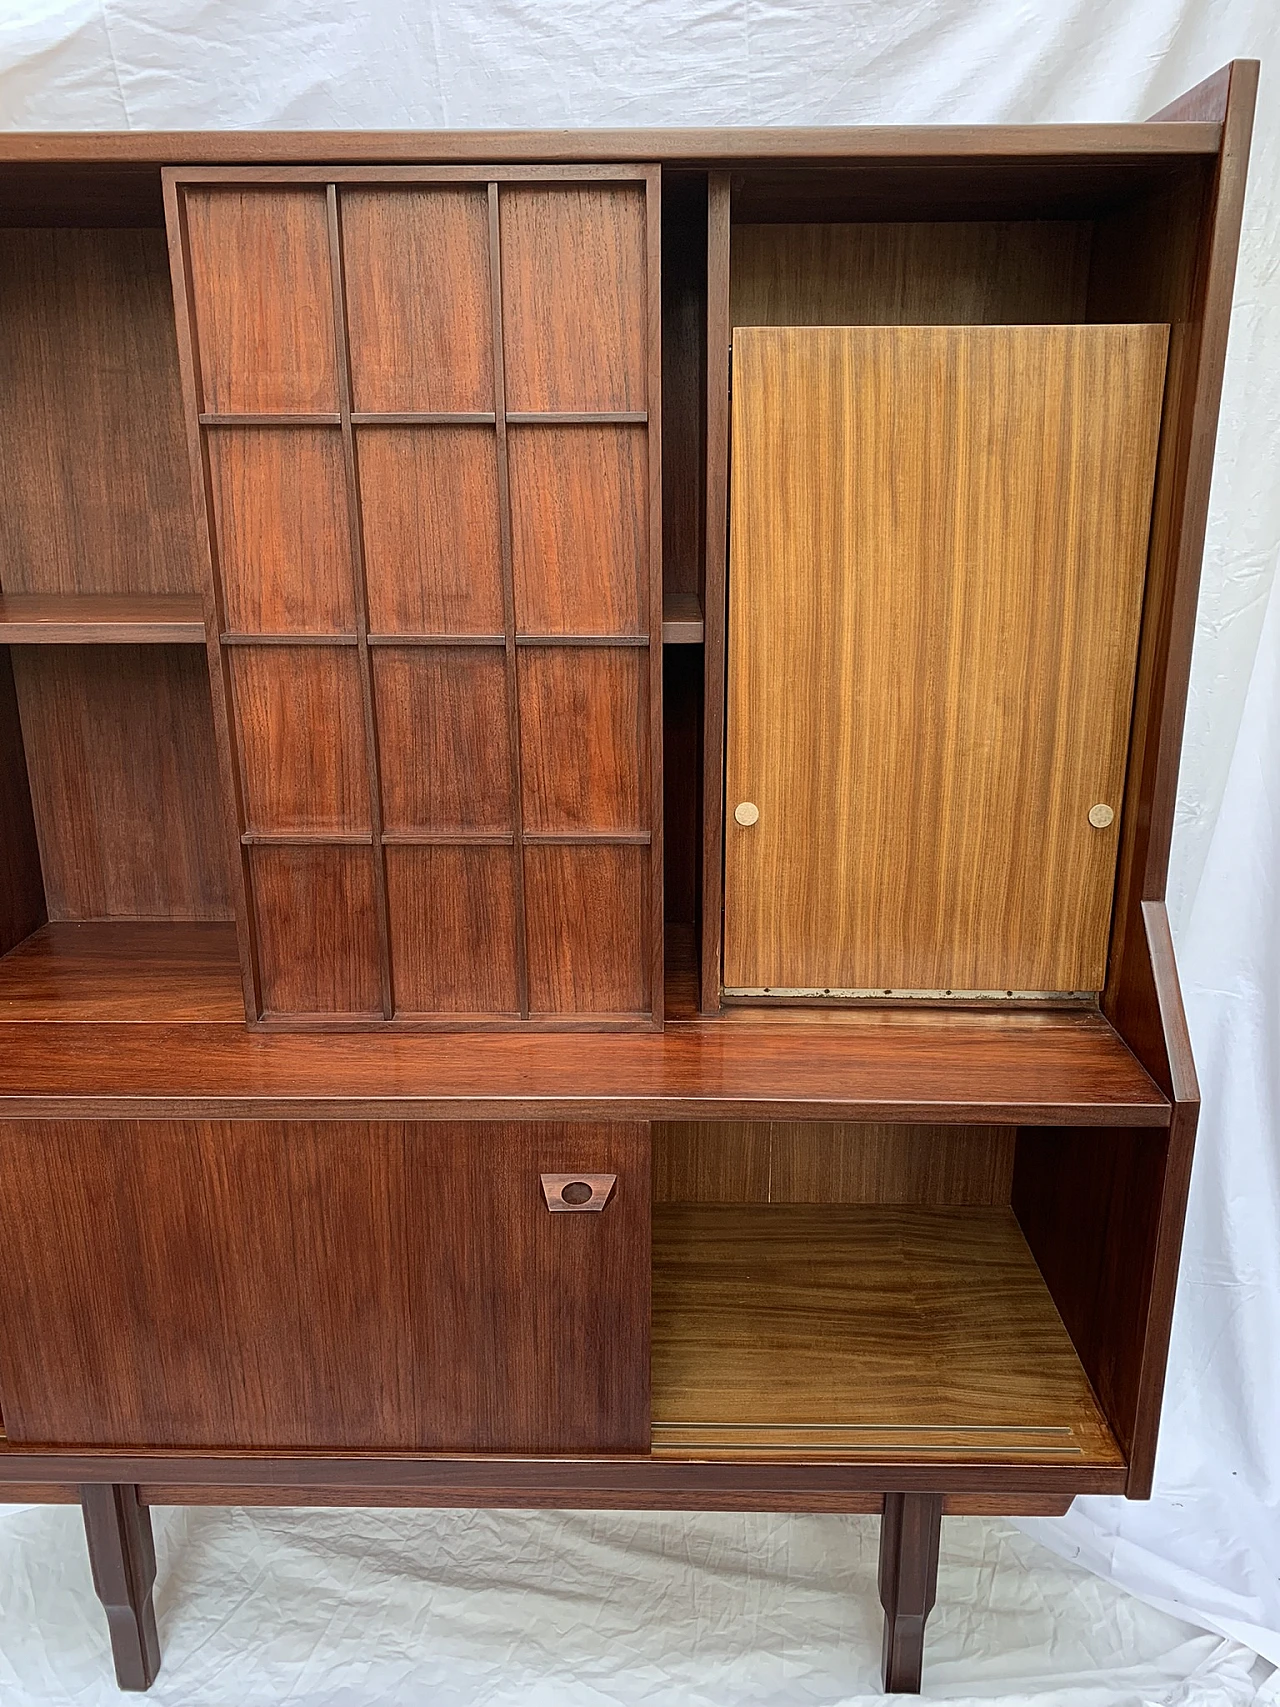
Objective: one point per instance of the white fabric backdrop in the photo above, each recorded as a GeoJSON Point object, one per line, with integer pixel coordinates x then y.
{"type": "Point", "coordinates": [1208, 1545]}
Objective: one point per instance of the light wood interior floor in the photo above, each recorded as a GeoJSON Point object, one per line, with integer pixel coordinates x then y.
{"type": "Point", "coordinates": [872, 1332]}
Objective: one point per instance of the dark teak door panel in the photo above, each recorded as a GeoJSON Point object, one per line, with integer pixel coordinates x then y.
{"type": "Point", "coordinates": [356, 1287]}
{"type": "Point", "coordinates": [424, 419]}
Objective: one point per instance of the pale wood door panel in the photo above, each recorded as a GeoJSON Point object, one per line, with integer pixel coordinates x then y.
{"type": "Point", "coordinates": [938, 540]}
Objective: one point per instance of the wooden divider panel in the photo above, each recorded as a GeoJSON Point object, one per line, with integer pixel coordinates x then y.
{"type": "Point", "coordinates": [424, 414]}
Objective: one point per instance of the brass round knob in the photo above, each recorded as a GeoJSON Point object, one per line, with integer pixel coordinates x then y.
{"type": "Point", "coordinates": [1101, 815]}
{"type": "Point", "coordinates": [746, 813]}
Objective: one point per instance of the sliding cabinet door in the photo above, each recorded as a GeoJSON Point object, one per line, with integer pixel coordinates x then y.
{"type": "Point", "coordinates": [425, 410]}
{"type": "Point", "coordinates": [938, 540]}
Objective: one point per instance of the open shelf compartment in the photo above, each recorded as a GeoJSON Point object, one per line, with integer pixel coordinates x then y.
{"type": "Point", "coordinates": [875, 1332]}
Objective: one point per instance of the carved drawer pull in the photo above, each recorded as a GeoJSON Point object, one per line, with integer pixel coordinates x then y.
{"type": "Point", "coordinates": [577, 1191]}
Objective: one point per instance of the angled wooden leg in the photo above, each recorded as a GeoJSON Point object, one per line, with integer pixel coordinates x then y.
{"type": "Point", "coordinates": [909, 1534]}
{"type": "Point", "coordinates": [123, 1556]}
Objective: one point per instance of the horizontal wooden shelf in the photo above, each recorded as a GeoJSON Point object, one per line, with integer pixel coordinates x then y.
{"type": "Point", "coordinates": [83, 619]}
{"type": "Point", "coordinates": [168, 1039]}
{"type": "Point", "coordinates": [917, 1334]}
{"type": "Point", "coordinates": [682, 623]}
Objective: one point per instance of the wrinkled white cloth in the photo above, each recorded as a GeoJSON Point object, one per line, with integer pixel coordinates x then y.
{"type": "Point", "coordinates": [1209, 1544]}
{"type": "Point", "coordinates": [584, 1609]}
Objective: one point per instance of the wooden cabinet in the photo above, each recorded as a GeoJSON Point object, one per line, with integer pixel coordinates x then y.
{"type": "Point", "coordinates": [544, 967]}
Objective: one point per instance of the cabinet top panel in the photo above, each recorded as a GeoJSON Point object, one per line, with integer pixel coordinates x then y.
{"type": "Point", "coordinates": [704, 146]}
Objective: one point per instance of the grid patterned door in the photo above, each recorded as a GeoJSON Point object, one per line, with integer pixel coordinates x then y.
{"type": "Point", "coordinates": [424, 408]}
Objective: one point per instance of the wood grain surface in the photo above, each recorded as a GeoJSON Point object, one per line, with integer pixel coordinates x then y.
{"type": "Point", "coordinates": [589, 928]}
{"type": "Point", "coordinates": [442, 726]}
{"type": "Point", "coordinates": [119, 747]}
{"type": "Point", "coordinates": [598, 779]}
{"type": "Point", "coordinates": [965, 1068]}
{"type": "Point", "coordinates": [417, 267]}
{"type": "Point", "coordinates": [453, 930]}
{"type": "Point", "coordinates": [574, 327]}
{"type": "Point", "coordinates": [465, 451]}
{"type": "Point", "coordinates": [867, 1331]}
{"type": "Point", "coordinates": [814, 1162]}
{"type": "Point", "coordinates": [263, 307]}
{"type": "Point", "coordinates": [910, 273]}
{"type": "Point", "coordinates": [280, 517]}
{"type": "Point", "coordinates": [580, 529]}
{"type": "Point", "coordinates": [432, 535]}
{"type": "Point", "coordinates": [302, 743]}
{"type": "Point", "coordinates": [381, 1287]}
{"type": "Point", "coordinates": [317, 930]}
{"type": "Point", "coordinates": [88, 972]}
{"type": "Point", "coordinates": [988, 538]}
{"type": "Point", "coordinates": [97, 498]}
{"type": "Point", "coordinates": [101, 619]}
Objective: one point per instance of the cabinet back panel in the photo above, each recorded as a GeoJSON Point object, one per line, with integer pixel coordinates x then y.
{"type": "Point", "coordinates": [782, 1161]}
{"type": "Point", "coordinates": [910, 274]}
{"type": "Point", "coordinates": [938, 547]}
{"type": "Point", "coordinates": [124, 782]}
{"type": "Point", "coordinates": [97, 484]}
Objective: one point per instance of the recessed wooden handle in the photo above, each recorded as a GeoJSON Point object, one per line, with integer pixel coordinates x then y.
{"type": "Point", "coordinates": [577, 1191]}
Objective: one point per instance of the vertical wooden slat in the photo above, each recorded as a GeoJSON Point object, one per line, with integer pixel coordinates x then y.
{"type": "Point", "coordinates": [214, 609]}
{"type": "Point", "coordinates": [653, 403]}
{"type": "Point", "coordinates": [385, 970]}
{"type": "Point", "coordinates": [719, 332]}
{"type": "Point", "coordinates": [508, 602]}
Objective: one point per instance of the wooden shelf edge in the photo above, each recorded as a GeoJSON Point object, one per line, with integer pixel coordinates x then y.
{"type": "Point", "coordinates": [489, 1479]}
{"type": "Point", "coordinates": [706, 146]}
{"type": "Point", "coordinates": [73, 619]}
{"type": "Point", "coordinates": [682, 623]}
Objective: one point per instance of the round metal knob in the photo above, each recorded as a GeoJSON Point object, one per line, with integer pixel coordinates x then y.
{"type": "Point", "coordinates": [746, 813]}
{"type": "Point", "coordinates": [1101, 815]}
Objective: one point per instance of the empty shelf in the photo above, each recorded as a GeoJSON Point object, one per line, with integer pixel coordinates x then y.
{"type": "Point", "coordinates": [903, 1333]}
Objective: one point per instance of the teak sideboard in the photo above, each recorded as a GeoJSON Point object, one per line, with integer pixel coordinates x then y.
{"type": "Point", "coordinates": [588, 734]}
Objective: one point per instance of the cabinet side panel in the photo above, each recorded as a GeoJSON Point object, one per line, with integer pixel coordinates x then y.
{"type": "Point", "coordinates": [22, 905]}
{"type": "Point", "coordinates": [1090, 1203]}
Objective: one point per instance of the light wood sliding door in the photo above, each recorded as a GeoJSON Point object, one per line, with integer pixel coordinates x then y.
{"type": "Point", "coordinates": [424, 416]}
{"type": "Point", "coordinates": [938, 539]}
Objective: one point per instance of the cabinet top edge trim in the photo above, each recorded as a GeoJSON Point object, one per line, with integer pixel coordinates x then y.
{"type": "Point", "coordinates": [183, 150]}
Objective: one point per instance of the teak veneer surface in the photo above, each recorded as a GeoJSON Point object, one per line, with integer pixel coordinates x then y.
{"type": "Point", "coordinates": [131, 984]}
{"type": "Point", "coordinates": [867, 1331]}
{"type": "Point", "coordinates": [940, 505]}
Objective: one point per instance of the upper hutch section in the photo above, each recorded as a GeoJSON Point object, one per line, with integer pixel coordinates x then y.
{"type": "Point", "coordinates": [367, 574]}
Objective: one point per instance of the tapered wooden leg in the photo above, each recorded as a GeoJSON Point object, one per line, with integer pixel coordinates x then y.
{"type": "Point", "coordinates": [123, 1556]}
{"type": "Point", "coordinates": [909, 1532]}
